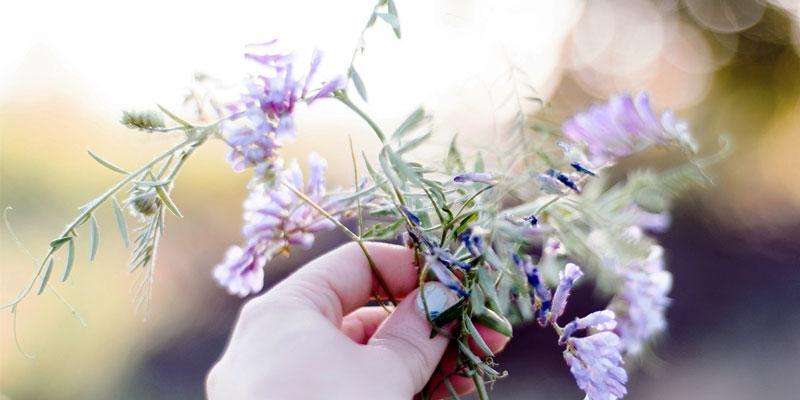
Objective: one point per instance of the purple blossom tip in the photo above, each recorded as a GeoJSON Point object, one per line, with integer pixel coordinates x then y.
{"type": "Point", "coordinates": [595, 362]}
{"type": "Point", "coordinates": [469, 177]}
{"type": "Point", "coordinates": [567, 278]}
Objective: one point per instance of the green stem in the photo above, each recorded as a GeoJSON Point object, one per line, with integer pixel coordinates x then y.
{"type": "Point", "coordinates": [353, 236]}
{"type": "Point", "coordinates": [346, 101]}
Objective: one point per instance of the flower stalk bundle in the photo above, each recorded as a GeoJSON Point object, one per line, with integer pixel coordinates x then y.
{"type": "Point", "coordinates": [510, 238]}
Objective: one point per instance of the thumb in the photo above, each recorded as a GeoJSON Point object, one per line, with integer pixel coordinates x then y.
{"type": "Point", "coordinates": [405, 336]}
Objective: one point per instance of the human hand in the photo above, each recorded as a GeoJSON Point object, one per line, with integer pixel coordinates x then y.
{"type": "Point", "coordinates": [311, 336]}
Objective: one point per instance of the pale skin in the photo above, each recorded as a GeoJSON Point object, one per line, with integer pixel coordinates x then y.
{"type": "Point", "coordinates": [313, 337]}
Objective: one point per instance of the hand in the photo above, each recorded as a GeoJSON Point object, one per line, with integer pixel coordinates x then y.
{"type": "Point", "coordinates": [311, 337]}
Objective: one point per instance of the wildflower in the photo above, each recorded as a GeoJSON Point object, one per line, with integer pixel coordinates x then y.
{"type": "Point", "coordinates": [595, 362]}
{"type": "Point", "coordinates": [443, 275]}
{"type": "Point", "coordinates": [540, 292]}
{"type": "Point", "coordinates": [601, 320]}
{"type": "Point", "coordinates": [277, 219]}
{"type": "Point", "coordinates": [531, 219]}
{"type": "Point", "coordinates": [242, 272]}
{"type": "Point", "coordinates": [265, 113]}
{"type": "Point", "coordinates": [481, 177]}
{"type": "Point", "coordinates": [472, 243]}
{"type": "Point", "coordinates": [567, 278]}
{"type": "Point", "coordinates": [642, 302]}
{"type": "Point", "coordinates": [623, 126]}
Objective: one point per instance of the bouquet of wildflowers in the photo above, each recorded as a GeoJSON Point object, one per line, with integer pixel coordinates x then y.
{"type": "Point", "coordinates": [510, 233]}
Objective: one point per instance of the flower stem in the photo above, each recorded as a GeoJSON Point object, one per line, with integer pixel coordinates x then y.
{"type": "Point", "coordinates": [346, 101]}
{"type": "Point", "coordinates": [353, 236]}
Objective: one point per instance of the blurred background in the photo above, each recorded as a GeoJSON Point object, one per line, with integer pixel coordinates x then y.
{"type": "Point", "coordinates": [68, 68]}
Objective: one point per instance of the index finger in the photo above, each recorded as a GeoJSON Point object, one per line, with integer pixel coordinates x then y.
{"type": "Point", "coordinates": [341, 280]}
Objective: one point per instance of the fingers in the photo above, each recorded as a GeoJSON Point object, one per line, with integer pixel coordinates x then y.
{"type": "Point", "coordinates": [340, 281]}
{"type": "Point", "coordinates": [403, 340]}
{"type": "Point", "coordinates": [462, 385]}
{"type": "Point", "coordinates": [362, 323]}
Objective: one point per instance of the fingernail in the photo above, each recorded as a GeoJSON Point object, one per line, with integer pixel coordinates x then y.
{"type": "Point", "coordinates": [437, 297]}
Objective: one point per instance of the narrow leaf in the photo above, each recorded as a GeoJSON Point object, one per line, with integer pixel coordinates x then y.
{"type": "Point", "coordinates": [174, 117]}
{"type": "Point", "coordinates": [55, 244]}
{"type": "Point", "coordinates": [123, 227]}
{"type": "Point", "coordinates": [414, 143]}
{"type": "Point", "coordinates": [491, 320]}
{"type": "Point", "coordinates": [107, 164]}
{"type": "Point", "coordinates": [453, 163]}
{"type": "Point", "coordinates": [46, 276]}
{"type": "Point", "coordinates": [70, 261]}
{"type": "Point", "coordinates": [152, 183]}
{"type": "Point", "coordinates": [410, 122]}
{"type": "Point", "coordinates": [393, 11]}
{"type": "Point", "coordinates": [476, 336]}
{"type": "Point", "coordinates": [164, 196]}
{"type": "Point", "coordinates": [359, 84]}
{"type": "Point", "coordinates": [390, 19]}
{"type": "Point", "coordinates": [94, 237]}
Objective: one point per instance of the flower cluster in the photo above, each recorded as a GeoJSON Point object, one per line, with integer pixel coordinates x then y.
{"type": "Point", "coordinates": [642, 302]}
{"type": "Point", "coordinates": [622, 126]}
{"type": "Point", "coordinates": [264, 115]}
{"type": "Point", "coordinates": [276, 219]}
{"type": "Point", "coordinates": [595, 360]}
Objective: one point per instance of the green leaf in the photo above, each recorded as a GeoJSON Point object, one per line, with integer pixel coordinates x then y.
{"type": "Point", "coordinates": [94, 237]}
{"type": "Point", "coordinates": [55, 244]}
{"type": "Point", "coordinates": [107, 164]}
{"type": "Point", "coordinates": [465, 223]}
{"type": "Point", "coordinates": [393, 11]}
{"type": "Point", "coordinates": [477, 300]}
{"type": "Point", "coordinates": [402, 168]}
{"type": "Point", "coordinates": [359, 84]}
{"type": "Point", "coordinates": [46, 276]}
{"type": "Point", "coordinates": [152, 183]}
{"type": "Point", "coordinates": [486, 282]}
{"type": "Point", "coordinates": [447, 316]}
{"type": "Point", "coordinates": [174, 117]}
{"type": "Point", "coordinates": [164, 196]}
{"type": "Point", "coordinates": [495, 322]}
{"type": "Point", "coordinates": [450, 389]}
{"type": "Point", "coordinates": [70, 261]}
{"type": "Point", "coordinates": [120, 216]}
{"type": "Point", "coordinates": [410, 123]}
{"type": "Point", "coordinates": [453, 163]}
{"type": "Point", "coordinates": [390, 19]}
{"type": "Point", "coordinates": [479, 164]}
{"type": "Point", "coordinates": [476, 336]}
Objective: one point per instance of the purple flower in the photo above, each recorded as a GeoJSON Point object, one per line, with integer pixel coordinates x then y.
{"type": "Point", "coordinates": [567, 278]}
{"type": "Point", "coordinates": [623, 126]}
{"type": "Point", "coordinates": [481, 177]}
{"type": "Point", "coordinates": [642, 302]}
{"type": "Point", "coordinates": [242, 272]}
{"type": "Point", "coordinates": [600, 320]}
{"type": "Point", "coordinates": [595, 362]}
{"type": "Point", "coordinates": [275, 220]}
{"type": "Point", "coordinates": [540, 291]}
{"type": "Point", "coordinates": [443, 275]}
{"type": "Point", "coordinates": [264, 115]}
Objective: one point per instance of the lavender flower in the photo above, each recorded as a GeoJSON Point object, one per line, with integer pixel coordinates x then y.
{"type": "Point", "coordinates": [276, 219]}
{"type": "Point", "coordinates": [601, 320]}
{"type": "Point", "coordinates": [595, 362]}
{"type": "Point", "coordinates": [481, 177]}
{"type": "Point", "coordinates": [642, 302]}
{"type": "Point", "coordinates": [567, 278]}
{"type": "Point", "coordinates": [242, 272]}
{"type": "Point", "coordinates": [266, 111]}
{"type": "Point", "coordinates": [623, 126]}
{"type": "Point", "coordinates": [443, 275]}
